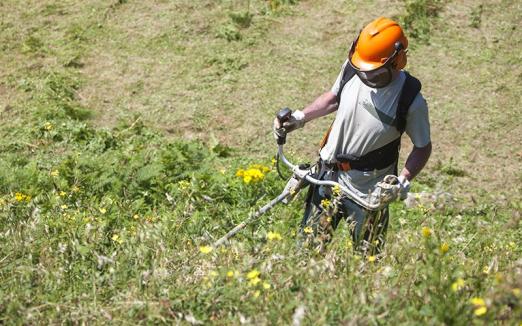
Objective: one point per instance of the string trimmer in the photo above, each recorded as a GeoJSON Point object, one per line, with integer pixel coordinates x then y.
{"type": "Point", "coordinates": [302, 175]}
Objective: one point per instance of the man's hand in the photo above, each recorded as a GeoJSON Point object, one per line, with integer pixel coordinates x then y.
{"type": "Point", "coordinates": [296, 121]}
{"type": "Point", "coordinates": [323, 105]}
{"type": "Point", "coordinates": [404, 187]}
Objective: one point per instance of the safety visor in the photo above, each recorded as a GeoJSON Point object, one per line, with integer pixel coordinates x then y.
{"type": "Point", "coordinates": [379, 77]}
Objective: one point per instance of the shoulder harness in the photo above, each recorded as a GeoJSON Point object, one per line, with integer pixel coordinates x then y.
{"type": "Point", "coordinates": [411, 87]}
{"type": "Point", "coordinates": [389, 153]}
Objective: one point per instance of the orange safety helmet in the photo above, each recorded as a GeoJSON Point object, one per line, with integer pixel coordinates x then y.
{"type": "Point", "coordinates": [377, 43]}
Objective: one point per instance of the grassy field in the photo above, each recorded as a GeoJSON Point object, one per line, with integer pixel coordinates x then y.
{"type": "Point", "coordinates": [124, 123]}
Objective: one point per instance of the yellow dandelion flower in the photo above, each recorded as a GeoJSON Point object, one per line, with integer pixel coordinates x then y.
{"type": "Point", "coordinates": [62, 193]}
{"type": "Point", "coordinates": [230, 274]}
{"type": "Point", "coordinates": [253, 274]}
{"type": "Point", "coordinates": [19, 196]}
{"type": "Point", "coordinates": [260, 167]}
{"type": "Point", "coordinates": [273, 236]}
{"type": "Point", "coordinates": [458, 285]}
{"type": "Point", "coordinates": [371, 259]}
{"type": "Point", "coordinates": [48, 126]}
{"type": "Point", "coordinates": [266, 285]}
{"type": "Point", "coordinates": [64, 206]}
{"type": "Point", "coordinates": [205, 249]}
{"type": "Point", "coordinates": [183, 184]}
{"type": "Point", "coordinates": [485, 270]}
{"type": "Point", "coordinates": [308, 230]}
{"type": "Point", "coordinates": [136, 217]}
{"type": "Point", "coordinates": [516, 292]}
{"type": "Point", "coordinates": [55, 173]}
{"type": "Point", "coordinates": [477, 301]}
{"type": "Point", "coordinates": [103, 210]}
{"type": "Point", "coordinates": [257, 175]}
{"type": "Point", "coordinates": [480, 306]}
{"type": "Point", "coordinates": [325, 203]}
{"type": "Point", "coordinates": [254, 173]}
{"type": "Point", "coordinates": [116, 238]}
{"type": "Point", "coordinates": [75, 189]}
{"type": "Point", "coordinates": [133, 231]}
{"type": "Point", "coordinates": [256, 294]}
{"type": "Point", "coordinates": [444, 248]}
{"type": "Point", "coordinates": [349, 244]}
{"type": "Point", "coordinates": [480, 311]}
{"type": "Point", "coordinates": [255, 281]}
{"type": "Point", "coordinates": [426, 232]}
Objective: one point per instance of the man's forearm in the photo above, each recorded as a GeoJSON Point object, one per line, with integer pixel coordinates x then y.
{"type": "Point", "coordinates": [416, 161]}
{"type": "Point", "coordinates": [323, 105]}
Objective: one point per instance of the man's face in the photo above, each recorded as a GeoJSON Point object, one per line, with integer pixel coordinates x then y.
{"type": "Point", "coordinates": [382, 76]}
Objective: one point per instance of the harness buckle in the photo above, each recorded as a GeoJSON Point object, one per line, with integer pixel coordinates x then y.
{"type": "Point", "coordinates": [344, 166]}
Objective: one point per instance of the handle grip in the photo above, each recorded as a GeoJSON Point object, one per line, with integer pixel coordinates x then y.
{"type": "Point", "coordinates": [283, 116]}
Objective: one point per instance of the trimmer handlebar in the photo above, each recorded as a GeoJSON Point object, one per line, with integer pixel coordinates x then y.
{"type": "Point", "coordinates": [306, 174]}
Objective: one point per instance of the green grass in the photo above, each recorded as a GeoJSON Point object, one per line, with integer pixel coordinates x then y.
{"type": "Point", "coordinates": [123, 124]}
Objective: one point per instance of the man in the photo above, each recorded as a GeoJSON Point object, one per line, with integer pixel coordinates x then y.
{"type": "Point", "coordinates": [375, 102]}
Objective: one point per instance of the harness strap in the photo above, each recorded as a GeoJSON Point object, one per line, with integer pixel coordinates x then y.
{"type": "Point", "coordinates": [348, 74]}
{"type": "Point", "coordinates": [375, 160]}
{"type": "Point", "coordinates": [412, 86]}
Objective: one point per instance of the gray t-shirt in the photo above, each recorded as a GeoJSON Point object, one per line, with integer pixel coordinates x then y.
{"type": "Point", "coordinates": [364, 123]}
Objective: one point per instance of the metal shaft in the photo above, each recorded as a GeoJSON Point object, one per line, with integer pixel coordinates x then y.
{"type": "Point", "coordinates": [251, 218]}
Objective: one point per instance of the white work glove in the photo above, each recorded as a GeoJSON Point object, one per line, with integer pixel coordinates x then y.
{"type": "Point", "coordinates": [404, 187]}
{"type": "Point", "coordinates": [296, 121]}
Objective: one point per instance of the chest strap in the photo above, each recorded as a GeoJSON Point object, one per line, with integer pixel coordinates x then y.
{"type": "Point", "coordinates": [375, 160]}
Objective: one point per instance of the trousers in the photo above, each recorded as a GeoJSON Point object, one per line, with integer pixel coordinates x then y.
{"type": "Point", "coordinates": [324, 211]}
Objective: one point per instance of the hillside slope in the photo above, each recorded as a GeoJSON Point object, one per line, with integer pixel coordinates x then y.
{"type": "Point", "coordinates": [135, 133]}
{"type": "Point", "coordinates": [175, 64]}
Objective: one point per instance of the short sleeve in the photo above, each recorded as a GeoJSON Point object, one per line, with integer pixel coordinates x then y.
{"type": "Point", "coordinates": [336, 85]}
{"type": "Point", "coordinates": [418, 122]}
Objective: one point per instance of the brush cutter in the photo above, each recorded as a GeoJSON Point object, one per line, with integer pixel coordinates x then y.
{"type": "Point", "coordinates": [384, 192]}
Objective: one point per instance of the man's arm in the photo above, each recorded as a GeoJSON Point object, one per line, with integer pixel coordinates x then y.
{"type": "Point", "coordinates": [416, 161]}
{"type": "Point", "coordinates": [323, 105]}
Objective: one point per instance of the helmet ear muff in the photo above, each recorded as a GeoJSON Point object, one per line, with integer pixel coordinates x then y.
{"type": "Point", "coordinates": [401, 60]}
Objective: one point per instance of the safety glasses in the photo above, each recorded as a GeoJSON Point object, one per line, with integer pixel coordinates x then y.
{"type": "Point", "coordinates": [379, 77]}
